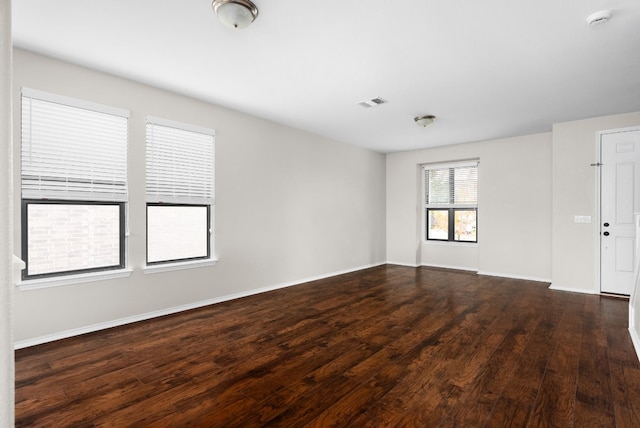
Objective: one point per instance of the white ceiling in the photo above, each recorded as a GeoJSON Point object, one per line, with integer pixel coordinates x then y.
{"type": "Point", "coordinates": [487, 69]}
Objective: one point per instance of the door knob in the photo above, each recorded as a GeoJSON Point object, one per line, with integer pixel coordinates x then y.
{"type": "Point", "coordinates": [606, 233]}
{"type": "Point", "coordinates": [606, 225]}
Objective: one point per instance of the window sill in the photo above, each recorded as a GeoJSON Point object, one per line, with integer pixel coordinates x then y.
{"type": "Point", "coordinates": [449, 243]}
{"type": "Point", "coordinates": [35, 284]}
{"type": "Point", "coordinates": [167, 267]}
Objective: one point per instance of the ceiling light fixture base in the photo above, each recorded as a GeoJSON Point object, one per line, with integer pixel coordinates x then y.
{"type": "Point", "coordinates": [235, 14]}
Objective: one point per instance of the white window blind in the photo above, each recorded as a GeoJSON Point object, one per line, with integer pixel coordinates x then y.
{"type": "Point", "coordinates": [451, 185]}
{"type": "Point", "coordinates": [72, 150]}
{"type": "Point", "coordinates": [180, 163]}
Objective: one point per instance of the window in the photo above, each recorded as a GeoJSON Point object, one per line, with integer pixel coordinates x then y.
{"type": "Point", "coordinates": [180, 183]}
{"type": "Point", "coordinates": [67, 236]}
{"type": "Point", "coordinates": [74, 185]}
{"type": "Point", "coordinates": [451, 202]}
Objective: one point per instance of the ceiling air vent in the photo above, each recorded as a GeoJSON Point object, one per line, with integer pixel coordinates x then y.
{"type": "Point", "coordinates": [372, 102]}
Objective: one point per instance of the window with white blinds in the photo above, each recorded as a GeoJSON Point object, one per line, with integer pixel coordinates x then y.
{"type": "Point", "coordinates": [451, 201]}
{"type": "Point", "coordinates": [451, 184]}
{"type": "Point", "coordinates": [74, 185]}
{"type": "Point", "coordinates": [72, 150]}
{"type": "Point", "coordinates": [180, 191]}
{"type": "Point", "coordinates": [180, 162]}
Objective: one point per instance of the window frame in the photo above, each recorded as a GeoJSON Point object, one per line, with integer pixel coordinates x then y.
{"type": "Point", "coordinates": [451, 207]}
{"type": "Point", "coordinates": [25, 237]}
{"type": "Point", "coordinates": [186, 259]}
{"type": "Point", "coordinates": [451, 226]}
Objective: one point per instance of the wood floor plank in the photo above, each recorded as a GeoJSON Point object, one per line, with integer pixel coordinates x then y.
{"type": "Point", "coordinates": [594, 395]}
{"type": "Point", "coordinates": [514, 406]}
{"type": "Point", "coordinates": [555, 403]}
{"type": "Point", "coordinates": [626, 395]}
{"type": "Point", "coordinates": [390, 346]}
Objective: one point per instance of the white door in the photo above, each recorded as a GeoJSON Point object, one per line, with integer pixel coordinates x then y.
{"type": "Point", "coordinates": [619, 199]}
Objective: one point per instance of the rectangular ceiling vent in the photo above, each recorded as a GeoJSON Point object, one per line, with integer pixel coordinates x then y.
{"type": "Point", "coordinates": [373, 102]}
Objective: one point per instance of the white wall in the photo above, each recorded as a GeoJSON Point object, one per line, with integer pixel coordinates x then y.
{"type": "Point", "coordinates": [575, 245]}
{"type": "Point", "coordinates": [514, 208]}
{"type": "Point", "coordinates": [289, 206]}
{"type": "Point", "coordinates": [6, 249]}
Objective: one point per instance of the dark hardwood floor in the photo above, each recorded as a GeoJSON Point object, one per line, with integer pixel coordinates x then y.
{"type": "Point", "coordinates": [389, 346]}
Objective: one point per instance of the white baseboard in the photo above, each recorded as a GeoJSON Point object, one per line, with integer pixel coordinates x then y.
{"type": "Point", "coordinates": [497, 274]}
{"type": "Point", "coordinates": [168, 311]}
{"type": "Point", "coordinates": [514, 276]}
{"type": "Point", "coordinates": [636, 341]}
{"type": "Point", "coordinates": [571, 290]}
{"type": "Point", "coordinates": [465, 268]}
{"type": "Point", "coordinates": [403, 264]}
{"type": "Point", "coordinates": [633, 331]}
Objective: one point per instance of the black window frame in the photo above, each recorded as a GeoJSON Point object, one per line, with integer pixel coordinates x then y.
{"type": "Point", "coordinates": [451, 225]}
{"type": "Point", "coordinates": [188, 259]}
{"type": "Point", "coordinates": [450, 207]}
{"type": "Point", "coordinates": [25, 237]}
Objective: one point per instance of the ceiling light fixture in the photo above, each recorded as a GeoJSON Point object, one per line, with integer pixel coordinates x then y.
{"type": "Point", "coordinates": [599, 17]}
{"type": "Point", "coordinates": [424, 121]}
{"type": "Point", "coordinates": [235, 13]}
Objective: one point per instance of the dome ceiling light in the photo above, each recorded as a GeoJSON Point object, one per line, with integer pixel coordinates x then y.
{"type": "Point", "coordinates": [599, 17]}
{"type": "Point", "coordinates": [235, 13]}
{"type": "Point", "coordinates": [424, 121]}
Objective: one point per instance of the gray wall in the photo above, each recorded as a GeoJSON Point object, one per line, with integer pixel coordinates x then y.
{"type": "Point", "coordinates": [289, 206]}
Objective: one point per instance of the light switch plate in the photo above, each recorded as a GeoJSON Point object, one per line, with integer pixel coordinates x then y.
{"type": "Point", "coordinates": [582, 219]}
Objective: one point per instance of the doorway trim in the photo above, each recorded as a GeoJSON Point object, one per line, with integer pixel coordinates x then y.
{"type": "Point", "coordinates": [598, 248]}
